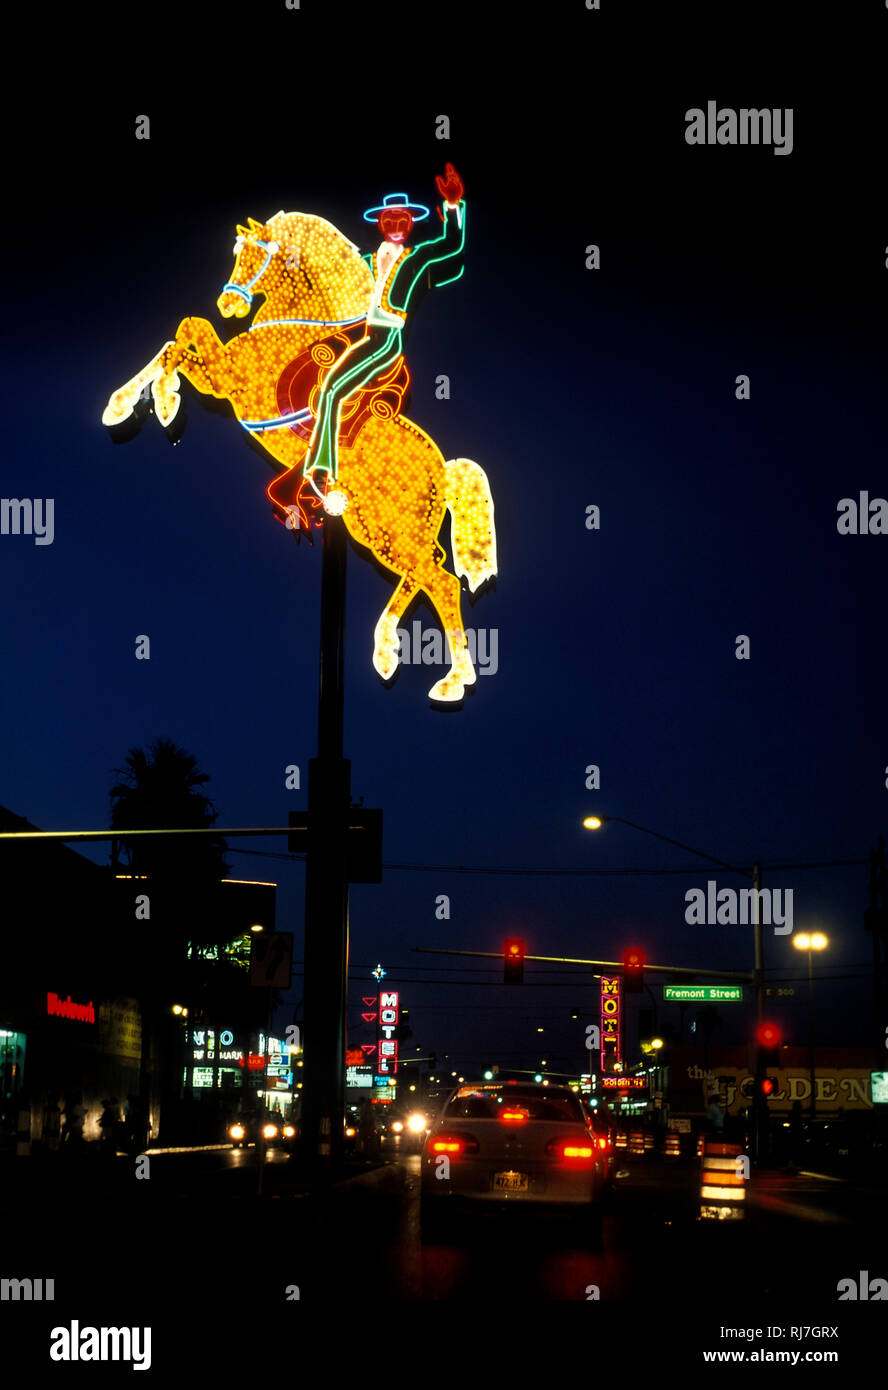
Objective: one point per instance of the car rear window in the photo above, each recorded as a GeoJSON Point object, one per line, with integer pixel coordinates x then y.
{"type": "Point", "coordinates": [488, 1104]}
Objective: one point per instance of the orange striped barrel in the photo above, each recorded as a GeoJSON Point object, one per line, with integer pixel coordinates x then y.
{"type": "Point", "coordinates": [723, 1181]}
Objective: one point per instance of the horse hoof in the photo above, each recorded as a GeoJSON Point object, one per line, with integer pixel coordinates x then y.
{"type": "Point", "coordinates": [448, 691]}
{"type": "Point", "coordinates": [385, 663]}
{"type": "Point", "coordinates": [176, 428]}
{"type": "Point", "coordinates": [127, 428]}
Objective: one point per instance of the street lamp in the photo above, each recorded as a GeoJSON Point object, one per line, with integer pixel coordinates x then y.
{"type": "Point", "coordinates": [811, 942]}
{"type": "Point", "coordinates": [595, 822]}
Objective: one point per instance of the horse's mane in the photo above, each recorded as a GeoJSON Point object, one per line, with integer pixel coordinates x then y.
{"type": "Point", "coordinates": [331, 279]}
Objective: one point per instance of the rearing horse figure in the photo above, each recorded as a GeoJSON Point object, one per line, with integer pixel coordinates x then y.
{"type": "Point", "coordinates": [393, 485]}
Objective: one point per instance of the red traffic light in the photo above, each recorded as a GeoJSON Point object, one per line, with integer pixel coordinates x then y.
{"type": "Point", "coordinates": [633, 970]}
{"type": "Point", "coordinates": [513, 961]}
{"type": "Point", "coordinates": [768, 1035]}
{"type": "Point", "coordinates": [767, 1086]}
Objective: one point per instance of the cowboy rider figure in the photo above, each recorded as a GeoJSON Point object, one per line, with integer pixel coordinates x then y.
{"type": "Point", "coordinates": [401, 274]}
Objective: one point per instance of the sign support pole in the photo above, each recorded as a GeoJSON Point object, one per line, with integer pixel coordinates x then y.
{"type": "Point", "coordinates": [326, 884]}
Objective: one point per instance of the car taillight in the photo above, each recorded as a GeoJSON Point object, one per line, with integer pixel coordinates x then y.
{"type": "Point", "coordinates": [602, 1143]}
{"type": "Point", "coordinates": [514, 1117]}
{"type": "Point", "coordinates": [571, 1150]}
{"type": "Point", "coordinates": [453, 1144]}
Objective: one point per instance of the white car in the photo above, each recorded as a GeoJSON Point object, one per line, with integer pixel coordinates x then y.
{"type": "Point", "coordinates": [519, 1143]}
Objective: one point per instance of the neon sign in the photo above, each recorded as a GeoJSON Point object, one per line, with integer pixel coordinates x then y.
{"type": "Point", "coordinates": [63, 1008]}
{"type": "Point", "coordinates": [611, 1022]}
{"type": "Point", "coordinates": [386, 1029]}
{"type": "Point", "coordinates": [318, 303]}
{"type": "Point", "coordinates": [624, 1083]}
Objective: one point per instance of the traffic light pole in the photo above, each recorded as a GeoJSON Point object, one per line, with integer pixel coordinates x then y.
{"type": "Point", "coordinates": [759, 1110]}
{"type": "Point", "coordinates": [742, 976]}
{"type": "Point", "coordinates": [760, 1125]}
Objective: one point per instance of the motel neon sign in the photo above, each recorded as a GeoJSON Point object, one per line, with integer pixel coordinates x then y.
{"type": "Point", "coordinates": [387, 1060]}
{"type": "Point", "coordinates": [611, 1023]}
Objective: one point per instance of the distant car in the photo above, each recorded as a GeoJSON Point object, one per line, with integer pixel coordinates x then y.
{"type": "Point", "coordinates": [249, 1128]}
{"type": "Point", "coordinates": [520, 1144]}
{"type": "Point", "coordinates": [406, 1128]}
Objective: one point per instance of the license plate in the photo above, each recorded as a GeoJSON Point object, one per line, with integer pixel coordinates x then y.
{"type": "Point", "coordinates": [511, 1182]}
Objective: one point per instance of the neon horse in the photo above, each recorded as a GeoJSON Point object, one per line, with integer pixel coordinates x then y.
{"type": "Point", "coordinates": [394, 486]}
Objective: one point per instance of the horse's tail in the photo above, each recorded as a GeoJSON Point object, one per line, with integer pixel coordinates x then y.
{"type": "Point", "coordinates": [468, 499]}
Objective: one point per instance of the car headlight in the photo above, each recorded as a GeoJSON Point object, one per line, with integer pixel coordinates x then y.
{"type": "Point", "coordinates": [397, 1127]}
{"type": "Point", "coordinates": [289, 1131]}
{"type": "Point", "coordinates": [237, 1132]}
{"type": "Point", "coordinates": [350, 1133]}
{"type": "Point", "coordinates": [416, 1124]}
{"type": "Point", "coordinates": [269, 1131]}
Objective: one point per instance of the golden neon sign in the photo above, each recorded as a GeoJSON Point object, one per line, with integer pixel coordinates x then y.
{"type": "Point", "coordinates": [393, 486]}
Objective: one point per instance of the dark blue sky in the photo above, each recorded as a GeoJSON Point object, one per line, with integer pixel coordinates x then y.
{"type": "Point", "coordinates": [570, 387]}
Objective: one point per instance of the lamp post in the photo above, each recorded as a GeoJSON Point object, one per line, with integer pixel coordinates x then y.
{"type": "Point", "coordinates": [595, 822]}
{"type": "Point", "coordinates": [811, 942]}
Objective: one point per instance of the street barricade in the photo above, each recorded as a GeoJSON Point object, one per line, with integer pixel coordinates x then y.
{"type": "Point", "coordinates": [723, 1182]}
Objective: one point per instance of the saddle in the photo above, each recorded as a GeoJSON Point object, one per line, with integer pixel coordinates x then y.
{"type": "Point", "coordinates": [298, 391]}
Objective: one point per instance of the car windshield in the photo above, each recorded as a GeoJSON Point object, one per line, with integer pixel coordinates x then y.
{"type": "Point", "coordinates": [490, 1103]}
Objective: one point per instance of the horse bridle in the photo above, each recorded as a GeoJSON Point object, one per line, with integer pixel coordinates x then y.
{"type": "Point", "coordinates": [271, 249]}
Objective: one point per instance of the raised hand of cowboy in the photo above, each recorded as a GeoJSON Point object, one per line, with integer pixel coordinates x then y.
{"type": "Point", "coordinates": [450, 186]}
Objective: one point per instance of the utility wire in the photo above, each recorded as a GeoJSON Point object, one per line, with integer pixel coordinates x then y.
{"type": "Point", "coordinates": [542, 872]}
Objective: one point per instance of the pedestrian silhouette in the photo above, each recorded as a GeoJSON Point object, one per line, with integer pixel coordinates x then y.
{"type": "Point", "coordinates": [108, 1123]}
{"type": "Point", "coordinates": [75, 1117]}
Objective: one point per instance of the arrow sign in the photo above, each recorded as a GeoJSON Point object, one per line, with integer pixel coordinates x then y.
{"type": "Point", "coordinates": [368, 1047]}
{"type": "Point", "coordinates": [368, 1018]}
{"type": "Point", "coordinates": [368, 1002]}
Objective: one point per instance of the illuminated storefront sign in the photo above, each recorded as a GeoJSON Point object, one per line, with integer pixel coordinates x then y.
{"type": "Point", "coordinates": [842, 1088]}
{"type": "Point", "coordinates": [624, 1083]}
{"type": "Point", "coordinates": [63, 1008]}
{"type": "Point", "coordinates": [359, 1076]}
{"type": "Point", "coordinates": [611, 1022]}
{"type": "Point", "coordinates": [386, 1028]}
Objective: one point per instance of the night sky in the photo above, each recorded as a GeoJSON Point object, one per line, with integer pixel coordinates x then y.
{"type": "Point", "coordinates": [571, 387]}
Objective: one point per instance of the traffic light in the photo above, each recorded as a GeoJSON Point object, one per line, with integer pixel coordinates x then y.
{"type": "Point", "coordinates": [633, 970]}
{"type": "Point", "coordinates": [513, 961]}
{"type": "Point", "coordinates": [769, 1038]}
{"type": "Point", "coordinates": [766, 1086]}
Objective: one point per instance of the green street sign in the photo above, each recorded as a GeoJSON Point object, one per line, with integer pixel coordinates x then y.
{"type": "Point", "coordinates": [704, 994]}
